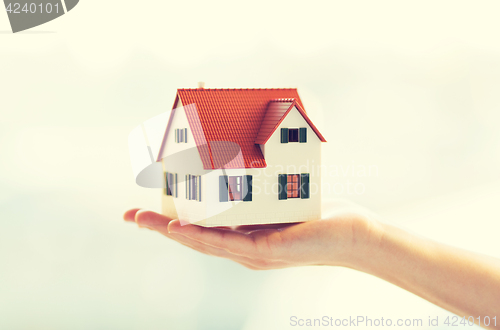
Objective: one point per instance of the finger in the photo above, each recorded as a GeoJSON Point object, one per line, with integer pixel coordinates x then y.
{"type": "Point", "coordinates": [233, 241]}
{"type": "Point", "coordinates": [216, 252]}
{"type": "Point", "coordinates": [159, 223]}
{"type": "Point", "coordinates": [152, 220]}
{"type": "Point", "coordinates": [130, 215]}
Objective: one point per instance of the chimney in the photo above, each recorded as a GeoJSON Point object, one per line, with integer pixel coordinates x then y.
{"type": "Point", "coordinates": [201, 85]}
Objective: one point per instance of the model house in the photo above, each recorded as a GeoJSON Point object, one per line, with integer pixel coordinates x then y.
{"type": "Point", "coordinates": [239, 157]}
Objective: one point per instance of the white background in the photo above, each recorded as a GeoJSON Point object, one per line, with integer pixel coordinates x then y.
{"type": "Point", "coordinates": [411, 87]}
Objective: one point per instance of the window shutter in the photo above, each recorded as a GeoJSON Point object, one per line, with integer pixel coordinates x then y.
{"type": "Point", "coordinates": [169, 180]}
{"type": "Point", "coordinates": [304, 185]}
{"type": "Point", "coordinates": [185, 135]}
{"type": "Point", "coordinates": [247, 188]}
{"type": "Point", "coordinates": [187, 184]}
{"type": "Point", "coordinates": [169, 184]}
{"type": "Point", "coordinates": [284, 135]}
{"type": "Point", "coordinates": [282, 194]}
{"type": "Point", "coordinates": [223, 191]}
{"type": "Point", "coordinates": [176, 190]}
{"type": "Point", "coordinates": [199, 188]}
{"type": "Point", "coordinates": [166, 183]}
{"type": "Point", "coordinates": [192, 187]}
{"type": "Point", "coordinates": [303, 135]}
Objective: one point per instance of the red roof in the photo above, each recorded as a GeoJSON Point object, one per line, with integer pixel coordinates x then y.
{"type": "Point", "coordinates": [236, 115]}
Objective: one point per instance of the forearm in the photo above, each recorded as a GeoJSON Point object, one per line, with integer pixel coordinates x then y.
{"type": "Point", "coordinates": [462, 282]}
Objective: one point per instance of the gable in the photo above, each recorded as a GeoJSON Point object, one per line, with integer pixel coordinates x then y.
{"type": "Point", "coordinates": [293, 120]}
{"type": "Point", "coordinates": [172, 143]}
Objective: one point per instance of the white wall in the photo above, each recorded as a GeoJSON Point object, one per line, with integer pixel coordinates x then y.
{"type": "Point", "coordinates": [183, 159]}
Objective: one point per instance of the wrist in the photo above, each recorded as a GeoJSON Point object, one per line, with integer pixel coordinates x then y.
{"type": "Point", "coordinates": [387, 251]}
{"type": "Point", "coordinates": [366, 239]}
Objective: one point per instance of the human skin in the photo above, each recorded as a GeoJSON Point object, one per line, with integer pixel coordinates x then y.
{"type": "Point", "coordinates": [465, 283]}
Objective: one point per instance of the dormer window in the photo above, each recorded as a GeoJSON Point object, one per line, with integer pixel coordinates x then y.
{"type": "Point", "coordinates": [181, 135]}
{"type": "Point", "coordinates": [294, 135]}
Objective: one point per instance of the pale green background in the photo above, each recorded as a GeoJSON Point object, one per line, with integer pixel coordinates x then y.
{"type": "Point", "coordinates": [412, 87]}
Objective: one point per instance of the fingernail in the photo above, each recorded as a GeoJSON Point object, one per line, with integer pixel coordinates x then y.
{"type": "Point", "coordinates": [127, 215]}
{"type": "Point", "coordinates": [171, 224]}
{"type": "Point", "coordinates": [142, 210]}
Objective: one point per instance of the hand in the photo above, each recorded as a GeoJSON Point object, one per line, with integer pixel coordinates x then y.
{"type": "Point", "coordinates": [340, 239]}
{"type": "Point", "coordinates": [462, 282]}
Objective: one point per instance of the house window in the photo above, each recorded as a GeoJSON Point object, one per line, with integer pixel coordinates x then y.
{"type": "Point", "coordinates": [292, 186]}
{"type": "Point", "coordinates": [193, 187]}
{"type": "Point", "coordinates": [293, 135]}
{"type": "Point", "coordinates": [235, 188]}
{"type": "Point", "coordinates": [171, 184]}
{"type": "Point", "coordinates": [181, 135]}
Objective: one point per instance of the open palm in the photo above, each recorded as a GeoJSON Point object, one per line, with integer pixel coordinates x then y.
{"type": "Point", "coordinates": [321, 242]}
